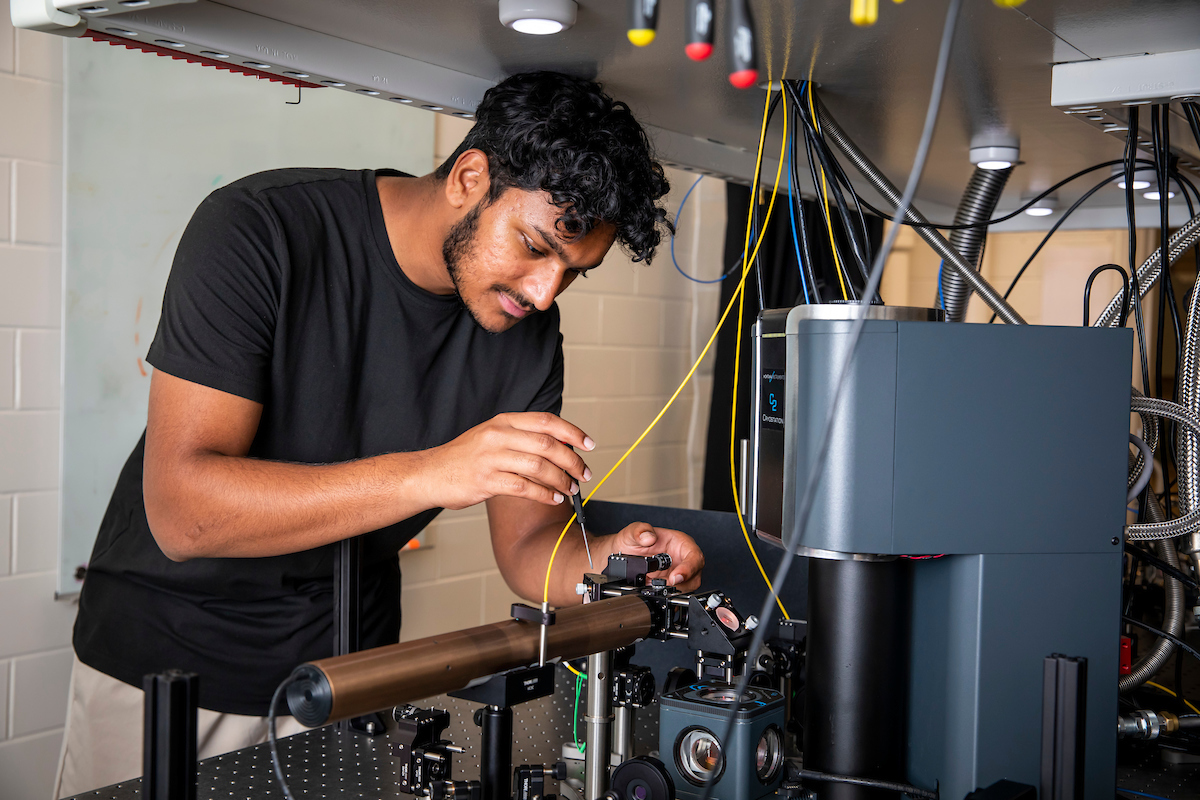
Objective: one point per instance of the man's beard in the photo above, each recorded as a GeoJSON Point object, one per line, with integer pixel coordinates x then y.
{"type": "Point", "coordinates": [460, 245]}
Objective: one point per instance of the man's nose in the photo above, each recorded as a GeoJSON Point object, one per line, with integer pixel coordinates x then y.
{"type": "Point", "coordinates": [544, 285]}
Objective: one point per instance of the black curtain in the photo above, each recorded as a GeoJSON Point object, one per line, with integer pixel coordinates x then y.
{"type": "Point", "coordinates": [781, 288]}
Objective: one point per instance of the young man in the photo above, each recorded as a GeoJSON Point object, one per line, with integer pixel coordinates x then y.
{"type": "Point", "coordinates": [345, 354]}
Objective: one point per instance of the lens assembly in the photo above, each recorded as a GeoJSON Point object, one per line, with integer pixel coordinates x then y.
{"type": "Point", "coordinates": [698, 755]}
{"type": "Point", "coordinates": [768, 757]}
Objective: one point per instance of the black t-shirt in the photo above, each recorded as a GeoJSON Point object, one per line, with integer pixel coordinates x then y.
{"type": "Point", "coordinates": [285, 291]}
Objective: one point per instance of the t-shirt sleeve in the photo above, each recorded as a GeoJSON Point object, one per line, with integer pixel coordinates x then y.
{"type": "Point", "coordinates": [549, 397]}
{"type": "Point", "coordinates": [222, 298]}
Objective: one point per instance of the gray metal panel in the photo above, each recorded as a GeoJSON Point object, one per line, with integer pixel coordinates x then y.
{"type": "Point", "coordinates": [981, 627]}
{"type": "Point", "coordinates": [1033, 606]}
{"type": "Point", "coordinates": [944, 674]}
{"type": "Point", "coordinates": [1010, 439]}
{"type": "Point", "coordinates": [853, 508]}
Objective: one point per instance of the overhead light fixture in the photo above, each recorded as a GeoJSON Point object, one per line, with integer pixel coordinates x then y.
{"type": "Point", "coordinates": [1044, 207]}
{"type": "Point", "coordinates": [1153, 194]}
{"type": "Point", "coordinates": [994, 150]}
{"type": "Point", "coordinates": [538, 17]}
{"type": "Point", "coordinates": [1143, 177]}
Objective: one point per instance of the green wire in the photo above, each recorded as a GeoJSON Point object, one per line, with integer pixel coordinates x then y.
{"type": "Point", "coordinates": [575, 718]}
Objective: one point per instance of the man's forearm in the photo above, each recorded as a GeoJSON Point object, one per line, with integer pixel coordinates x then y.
{"type": "Point", "coordinates": [213, 505]}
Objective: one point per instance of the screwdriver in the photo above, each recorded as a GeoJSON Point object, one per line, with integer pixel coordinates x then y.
{"type": "Point", "coordinates": [643, 21]}
{"type": "Point", "coordinates": [577, 502]}
{"type": "Point", "coordinates": [743, 65]}
{"type": "Point", "coordinates": [700, 17]}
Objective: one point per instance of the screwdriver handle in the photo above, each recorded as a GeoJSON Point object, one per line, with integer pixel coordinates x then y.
{"type": "Point", "coordinates": [743, 63]}
{"type": "Point", "coordinates": [643, 21]}
{"type": "Point", "coordinates": [864, 12]}
{"type": "Point", "coordinates": [701, 22]}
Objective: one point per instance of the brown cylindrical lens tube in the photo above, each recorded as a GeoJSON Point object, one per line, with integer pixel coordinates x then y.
{"type": "Point", "coordinates": [359, 683]}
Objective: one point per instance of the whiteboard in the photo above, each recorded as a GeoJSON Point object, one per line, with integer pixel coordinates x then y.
{"type": "Point", "coordinates": [146, 139]}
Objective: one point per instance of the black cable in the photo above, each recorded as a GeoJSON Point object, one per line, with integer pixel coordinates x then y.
{"type": "Point", "coordinates": [805, 506]}
{"type": "Point", "coordinates": [1159, 123]}
{"type": "Point", "coordinates": [857, 237]}
{"type": "Point", "coordinates": [838, 262]}
{"type": "Point", "coordinates": [1139, 322]}
{"type": "Point", "coordinates": [1087, 293]}
{"type": "Point", "coordinates": [1054, 229]}
{"type": "Point", "coordinates": [807, 266]}
{"type": "Point", "coordinates": [754, 204]}
{"type": "Point", "coordinates": [891, 786]}
{"type": "Point", "coordinates": [272, 739]}
{"type": "Point", "coordinates": [1150, 558]}
{"type": "Point", "coordinates": [1192, 112]}
{"type": "Point", "coordinates": [1009, 215]}
{"type": "Point", "coordinates": [1180, 643]}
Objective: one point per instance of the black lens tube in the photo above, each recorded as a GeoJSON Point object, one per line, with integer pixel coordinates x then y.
{"type": "Point", "coordinates": [855, 719]}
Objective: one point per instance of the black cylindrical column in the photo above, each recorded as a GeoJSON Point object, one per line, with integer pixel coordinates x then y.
{"type": "Point", "coordinates": [855, 716]}
{"type": "Point", "coordinates": [495, 759]}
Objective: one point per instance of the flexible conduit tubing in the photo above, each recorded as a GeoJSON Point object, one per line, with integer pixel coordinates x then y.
{"type": "Point", "coordinates": [1190, 521]}
{"type": "Point", "coordinates": [1153, 661]}
{"type": "Point", "coordinates": [1187, 449]}
{"type": "Point", "coordinates": [887, 189]}
{"type": "Point", "coordinates": [977, 205]}
{"type": "Point", "coordinates": [1147, 273]}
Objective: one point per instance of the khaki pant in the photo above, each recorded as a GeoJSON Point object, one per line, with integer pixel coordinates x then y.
{"type": "Point", "coordinates": [102, 743]}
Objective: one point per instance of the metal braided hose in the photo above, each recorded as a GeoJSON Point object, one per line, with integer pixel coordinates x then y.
{"type": "Point", "coordinates": [977, 205]}
{"type": "Point", "coordinates": [1154, 660]}
{"type": "Point", "coordinates": [1190, 521]}
{"type": "Point", "coordinates": [1147, 273]}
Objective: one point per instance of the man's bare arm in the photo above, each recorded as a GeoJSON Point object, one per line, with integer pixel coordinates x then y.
{"type": "Point", "coordinates": [205, 498]}
{"type": "Point", "coordinates": [523, 536]}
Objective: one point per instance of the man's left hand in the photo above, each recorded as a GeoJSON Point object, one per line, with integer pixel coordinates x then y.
{"type": "Point", "coordinates": [641, 539]}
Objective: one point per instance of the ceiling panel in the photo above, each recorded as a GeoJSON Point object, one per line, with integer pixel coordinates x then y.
{"type": "Point", "coordinates": [875, 80]}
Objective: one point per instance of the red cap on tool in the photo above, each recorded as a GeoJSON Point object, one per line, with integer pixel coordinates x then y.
{"type": "Point", "coordinates": [698, 51]}
{"type": "Point", "coordinates": [744, 79]}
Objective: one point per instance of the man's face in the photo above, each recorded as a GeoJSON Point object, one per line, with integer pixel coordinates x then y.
{"type": "Point", "coordinates": [508, 259]}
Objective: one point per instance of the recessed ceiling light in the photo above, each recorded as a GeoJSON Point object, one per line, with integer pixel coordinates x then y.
{"type": "Point", "coordinates": [297, 74]}
{"type": "Point", "coordinates": [400, 99]}
{"type": "Point", "coordinates": [169, 43]}
{"type": "Point", "coordinates": [994, 150]}
{"type": "Point", "coordinates": [257, 64]}
{"type": "Point", "coordinates": [121, 32]}
{"type": "Point", "coordinates": [1153, 194]}
{"type": "Point", "coordinates": [333, 83]}
{"type": "Point", "coordinates": [371, 92]}
{"type": "Point", "coordinates": [213, 54]}
{"type": "Point", "coordinates": [538, 17]}
{"type": "Point", "coordinates": [433, 108]}
{"type": "Point", "coordinates": [1044, 207]}
{"type": "Point", "coordinates": [1143, 177]}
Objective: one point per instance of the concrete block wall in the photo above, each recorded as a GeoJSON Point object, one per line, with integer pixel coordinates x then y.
{"type": "Point", "coordinates": [630, 334]}
{"type": "Point", "coordinates": [35, 629]}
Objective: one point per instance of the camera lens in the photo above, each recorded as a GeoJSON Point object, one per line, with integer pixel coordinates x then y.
{"type": "Point", "coordinates": [768, 756]}
{"type": "Point", "coordinates": [698, 754]}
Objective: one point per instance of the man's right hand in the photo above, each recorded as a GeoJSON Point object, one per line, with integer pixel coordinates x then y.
{"type": "Point", "coordinates": [525, 455]}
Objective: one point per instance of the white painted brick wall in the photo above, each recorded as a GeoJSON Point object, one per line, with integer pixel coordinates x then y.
{"type": "Point", "coordinates": [35, 629]}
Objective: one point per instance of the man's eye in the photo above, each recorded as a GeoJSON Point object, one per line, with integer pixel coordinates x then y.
{"type": "Point", "coordinates": [533, 249]}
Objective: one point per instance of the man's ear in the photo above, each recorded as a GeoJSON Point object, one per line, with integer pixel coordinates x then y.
{"type": "Point", "coordinates": [468, 181]}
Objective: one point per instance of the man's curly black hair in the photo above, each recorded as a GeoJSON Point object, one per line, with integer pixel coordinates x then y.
{"type": "Point", "coordinates": [565, 136]}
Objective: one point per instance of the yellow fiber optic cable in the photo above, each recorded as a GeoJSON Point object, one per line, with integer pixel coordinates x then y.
{"type": "Point", "coordinates": [708, 346]}
{"type": "Point", "coordinates": [1168, 691]}
{"type": "Point", "coordinates": [737, 360]}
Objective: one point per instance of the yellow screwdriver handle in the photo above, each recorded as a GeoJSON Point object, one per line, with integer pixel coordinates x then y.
{"type": "Point", "coordinates": [864, 12]}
